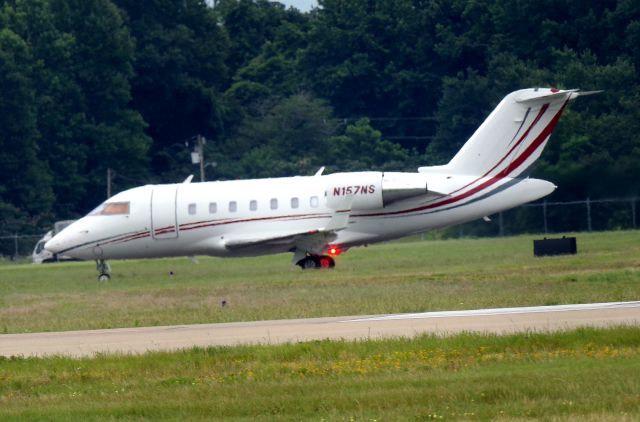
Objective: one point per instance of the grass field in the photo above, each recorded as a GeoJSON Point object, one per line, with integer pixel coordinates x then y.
{"type": "Point", "coordinates": [410, 276]}
{"type": "Point", "coordinates": [584, 375]}
{"type": "Point", "coordinates": [587, 374]}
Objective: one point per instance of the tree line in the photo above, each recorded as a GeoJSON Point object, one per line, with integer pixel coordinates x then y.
{"type": "Point", "coordinates": [91, 85]}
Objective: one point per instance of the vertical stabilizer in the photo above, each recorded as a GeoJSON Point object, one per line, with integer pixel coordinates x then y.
{"type": "Point", "coordinates": [512, 138]}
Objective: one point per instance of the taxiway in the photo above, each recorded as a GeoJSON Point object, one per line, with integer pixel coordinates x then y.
{"type": "Point", "coordinates": [167, 338]}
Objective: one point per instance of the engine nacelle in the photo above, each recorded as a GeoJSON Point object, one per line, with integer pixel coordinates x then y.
{"type": "Point", "coordinates": [357, 191]}
{"type": "Point", "coordinates": [373, 189]}
{"type": "Point", "coordinates": [399, 186]}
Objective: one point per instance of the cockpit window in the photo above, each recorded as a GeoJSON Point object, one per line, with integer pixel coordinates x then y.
{"type": "Point", "coordinates": [112, 208]}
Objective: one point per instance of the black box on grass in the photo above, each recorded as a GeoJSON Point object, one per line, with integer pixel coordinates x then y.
{"type": "Point", "coordinates": [547, 247]}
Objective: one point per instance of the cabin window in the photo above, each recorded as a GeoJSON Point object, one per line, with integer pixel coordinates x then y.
{"type": "Point", "coordinates": [253, 205]}
{"type": "Point", "coordinates": [313, 202]}
{"type": "Point", "coordinates": [112, 208]}
{"type": "Point", "coordinates": [274, 203]}
{"type": "Point", "coordinates": [233, 206]}
{"type": "Point", "coordinates": [213, 207]}
{"type": "Point", "coordinates": [192, 209]}
{"type": "Point", "coordinates": [295, 203]}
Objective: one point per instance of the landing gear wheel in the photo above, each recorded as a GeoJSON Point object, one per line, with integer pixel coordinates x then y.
{"type": "Point", "coordinates": [309, 262]}
{"type": "Point", "coordinates": [326, 261]}
{"type": "Point", "coordinates": [315, 261]}
{"type": "Point", "coordinates": [104, 269]}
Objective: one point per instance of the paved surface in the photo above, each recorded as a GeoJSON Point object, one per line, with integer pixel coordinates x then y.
{"type": "Point", "coordinates": [140, 340]}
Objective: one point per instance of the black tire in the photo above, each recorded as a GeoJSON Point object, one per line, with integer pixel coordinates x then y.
{"type": "Point", "coordinates": [309, 262]}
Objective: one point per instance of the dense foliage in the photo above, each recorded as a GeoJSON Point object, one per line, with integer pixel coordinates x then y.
{"type": "Point", "coordinates": [89, 85]}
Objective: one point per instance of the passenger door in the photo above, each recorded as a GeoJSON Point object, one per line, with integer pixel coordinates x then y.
{"type": "Point", "coordinates": [164, 223]}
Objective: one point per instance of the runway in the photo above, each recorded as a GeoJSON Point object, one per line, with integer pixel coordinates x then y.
{"type": "Point", "coordinates": [167, 338]}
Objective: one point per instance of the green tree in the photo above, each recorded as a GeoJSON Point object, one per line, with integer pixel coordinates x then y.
{"type": "Point", "coordinates": [291, 138]}
{"type": "Point", "coordinates": [102, 52]}
{"type": "Point", "coordinates": [377, 59]}
{"type": "Point", "coordinates": [361, 147]}
{"type": "Point", "coordinates": [461, 110]}
{"type": "Point", "coordinates": [25, 182]}
{"type": "Point", "coordinates": [180, 71]}
{"type": "Point", "coordinates": [597, 145]}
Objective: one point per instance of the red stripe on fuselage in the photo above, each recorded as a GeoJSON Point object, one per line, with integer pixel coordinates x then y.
{"type": "Point", "coordinates": [214, 223]}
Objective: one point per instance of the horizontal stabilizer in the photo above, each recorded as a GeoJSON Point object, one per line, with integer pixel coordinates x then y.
{"type": "Point", "coordinates": [547, 95]}
{"type": "Point", "coordinates": [585, 93]}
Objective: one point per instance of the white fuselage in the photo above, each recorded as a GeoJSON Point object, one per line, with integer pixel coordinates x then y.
{"type": "Point", "coordinates": [201, 218]}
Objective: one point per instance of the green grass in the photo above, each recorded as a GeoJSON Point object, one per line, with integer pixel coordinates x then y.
{"type": "Point", "coordinates": [409, 276]}
{"type": "Point", "coordinates": [587, 374]}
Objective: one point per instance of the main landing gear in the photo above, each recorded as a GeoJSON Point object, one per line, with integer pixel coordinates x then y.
{"type": "Point", "coordinates": [104, 269]}
{"type": "Point", "coordinates": [316, 261]}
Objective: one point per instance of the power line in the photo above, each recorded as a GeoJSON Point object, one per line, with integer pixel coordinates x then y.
{"type": "Point", "coordinates": [386, 119]}
{"type": "Point", "coordinates": [409, 137]}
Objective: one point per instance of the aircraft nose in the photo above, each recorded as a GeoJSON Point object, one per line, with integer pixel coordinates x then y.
{"type": "Point", "coordinates": [54, 245]}
{"type": "Point", "coordinates": [64, 240]}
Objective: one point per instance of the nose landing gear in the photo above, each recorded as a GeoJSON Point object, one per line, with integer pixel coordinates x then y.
{"type": "Point", "coordinates": [104, 269]}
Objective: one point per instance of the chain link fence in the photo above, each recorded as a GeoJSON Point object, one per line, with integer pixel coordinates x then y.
{"type": "Point", "coordinates": [540, 217]}
{"type": "Point", "coordinates": [556, 217]}
{"type": "Point", "coordinates": [17, 246]}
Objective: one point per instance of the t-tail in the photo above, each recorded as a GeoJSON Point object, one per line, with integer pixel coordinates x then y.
{"type": "Point", "coordinates": [512, 138]}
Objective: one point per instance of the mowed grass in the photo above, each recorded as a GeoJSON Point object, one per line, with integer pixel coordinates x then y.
{"type": "Point", "coordinates": [586, 374]}
{"type": "Point", "coordinates": [408, 276]}
{"type": "Point", "coordinates": [582, 375]}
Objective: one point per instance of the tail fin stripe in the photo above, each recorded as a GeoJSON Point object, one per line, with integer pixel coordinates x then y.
{"type": "Point", "coordinates": [542, 137]}
{"type": "Point", "coordinates": [535, 121]}
{"type": "Point", "coordinates": [524, 120]}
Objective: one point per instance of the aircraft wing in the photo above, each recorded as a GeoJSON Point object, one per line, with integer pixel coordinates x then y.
{"type": "Point", "coordinates": [316, 237]}
{"type": "Point", "coordinates": [299, 242]}
{"type": "Point", "coordinates": [265, 239]}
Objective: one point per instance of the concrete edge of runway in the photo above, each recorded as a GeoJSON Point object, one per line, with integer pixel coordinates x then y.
{"type": "Point", "coordinates": [140, 340]}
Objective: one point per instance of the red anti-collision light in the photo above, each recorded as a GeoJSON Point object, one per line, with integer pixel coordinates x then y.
{"type": "Point", "coordinates": [335, 250]}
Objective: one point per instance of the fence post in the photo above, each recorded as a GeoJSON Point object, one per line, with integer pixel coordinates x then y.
{"type": "Point", "coordinates": [633, 212]}
{"type": "Point", "coordinates": [588, 214]}
{"type": "Point", "coordinates": [501, 224]}
{"type": "Point", "coordinates": [544, 216]}
{"type": "Point", "coordinates": [15, 246]}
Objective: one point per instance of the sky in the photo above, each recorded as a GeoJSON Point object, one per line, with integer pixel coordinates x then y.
{"type": "Point", "coordinates": [301, 5]}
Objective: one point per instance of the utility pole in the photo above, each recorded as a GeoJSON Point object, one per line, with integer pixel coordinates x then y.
{"type": "Point", "coordinates": [109, 177]}
{"type": "Point", "coordinates": [201, 141]}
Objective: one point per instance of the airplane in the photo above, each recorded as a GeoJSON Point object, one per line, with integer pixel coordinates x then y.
{"type": "Point", "coordinates": [318, 217]}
